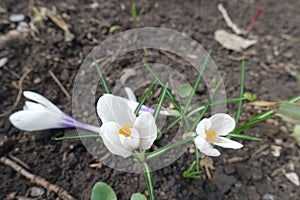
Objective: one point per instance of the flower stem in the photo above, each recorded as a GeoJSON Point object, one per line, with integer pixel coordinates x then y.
{"type": "Point", "coordinates": [148, 176]}
{"type": "Point", "coordinates": [140, 156]}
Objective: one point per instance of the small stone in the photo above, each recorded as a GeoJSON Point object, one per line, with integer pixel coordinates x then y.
{"type": "Point", "coordinates": [37, 80]}
{"type": "Point", "coordinates": [268, 197]}
{"type": "Point", "coordinates": [293, 177]}
{"type": "Point", "coordinates": [16, 17]}
{"type": "Point", "coordinates": [36, 192]}
{"type": "Point", "coordinates": [276, 150]}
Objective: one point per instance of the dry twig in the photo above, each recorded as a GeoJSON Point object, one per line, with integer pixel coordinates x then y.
{"type": "Point", "coordinates": [228, 21]}
{"type": "Point", "coordinates": [20, 82]}
{"type": "Point", "coordinates": [63, 89]}
{"type": "Point", "coordinates": [37, 179]}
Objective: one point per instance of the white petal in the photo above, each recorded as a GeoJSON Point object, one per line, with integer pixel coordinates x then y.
{"type": "Point", "coordinates": [222, 123]}
{"type": "Point", "coordinates": [42, 100]}
{"type": "Point", "coordinates": [205, 147]}
{"type": "Point", "coordinates": [130, 94]}
{"type": "Point", "coordinates": [112, 108]}
{"type": "Point", "coordinates": [228, 143]}
{"type": "Point", "coordinates": [203, 125]}
{"type": "Point", "coordinates": [32, 106]}
{"type": "Point", "coordinates": [132, 142]}
{"type": "Point", "coordinates": [110, 136]}
{"type": "Point", "coordinates": [34, 120]}
{"type": "Point", "coordinates": [145, 124]}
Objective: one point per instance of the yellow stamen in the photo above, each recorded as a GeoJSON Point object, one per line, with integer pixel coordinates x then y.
{"type": "Point", "coordinates": [210, 134]}
{"type": "Point", "coordinates": [125, 130]}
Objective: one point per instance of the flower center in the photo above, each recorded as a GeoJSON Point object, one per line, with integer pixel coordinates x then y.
{"type": "Point", "coordinates": [125, 130]}
{"type": "Point", "coordinates": [210, 135]}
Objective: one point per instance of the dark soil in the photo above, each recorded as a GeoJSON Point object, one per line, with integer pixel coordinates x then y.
{"type": "Point", "coordinates": [259, 175]}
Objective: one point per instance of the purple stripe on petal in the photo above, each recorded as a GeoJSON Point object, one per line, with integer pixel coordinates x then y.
{"type": "Point", "coordinates": [146, 109]}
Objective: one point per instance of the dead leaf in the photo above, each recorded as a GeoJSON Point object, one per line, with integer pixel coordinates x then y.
{"type": "Point", "coordinates": [262, 103]}
{"type": "Point", "coordinates": [208, 164]}
{"type": "Point", "coordinates": [232, 41]}
{"type": "Point", "coordinates": [58, 20]}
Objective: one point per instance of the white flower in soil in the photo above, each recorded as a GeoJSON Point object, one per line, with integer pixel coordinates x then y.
{"type": "Point", "coordinates": [212, 131]}
{"type": "Point", "coordinates": [121, 131]}
{"type": "Point", "coordinates": [44, 115]}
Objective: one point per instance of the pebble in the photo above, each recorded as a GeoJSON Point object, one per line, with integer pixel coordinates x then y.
{"type": "Point", "coordinates": [37, 80]}
{"type": "Point", "coordinates": [293, 177]}
{"type": "Point", "coordinates": [268, 197]}
{"type": "Point", "coordinates": [36, 192]}
{"type": "Point", "coordinates": [276, 150]}
{"type": "Point", "coordinates": [16, 17]}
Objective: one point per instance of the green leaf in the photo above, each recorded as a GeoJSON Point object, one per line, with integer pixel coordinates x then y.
{"type": "Point", "coordinates": [160, 101]}
{"type": "Point", "coordinates": [242, 82]}
{"type": "Point", "coordinates": [185, 90]}
{"type": "Point", "coordinates": [249, 96]}
{"type": "Point", "coordinates": [290, 112]}
{"type": "Point", "coordinates": [138, 196]}
{"type": "Point", "coordinates": [102, 79]}
{"type": "Point", "coordinates": [133, 12]}
{"type": "Point", "coordinates": [71, 137]}
{"type": "Point", "coordinates": [296, 134]}
{"type": "Point", "coordinates": [102, 191]}
{"type": "Point", "coordinates": [143, 100]}
{"type": "Point", "coordinates": [197, 82]}
{"type": "Point", "coordinates": [114, 28]}
{"type": "Point", "coordinates": [242, 136]}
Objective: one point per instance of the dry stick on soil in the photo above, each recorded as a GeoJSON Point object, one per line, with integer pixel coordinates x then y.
{"type": "Point", "coordinates": [228, 21]}
{"type": "Point", "coordinates": [60, 85]}
{"type": "Point", "coordinates": [37, 179]}
{"type": "Point", "coordinates": [20, 82]}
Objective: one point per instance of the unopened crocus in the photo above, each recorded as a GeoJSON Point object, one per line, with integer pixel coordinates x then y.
{"type": "Point", "coordinates": [42, 114]}
{"type": "Point", "coordinates": [121, 131]}
{"type": "Point", "coordinates": [212, 131]}
{"type": "Point", "coordinates": [133, 103]}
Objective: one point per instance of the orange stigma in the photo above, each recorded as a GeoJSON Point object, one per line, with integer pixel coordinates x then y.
{"type": "Point", "coordinates": [210, 134]}
{"type": "Point", "coordinates": [125, 131]}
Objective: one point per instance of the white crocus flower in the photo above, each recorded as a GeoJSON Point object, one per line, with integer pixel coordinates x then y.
{"type": "Point", "coordinates": [211, 131]}
{"type": "Point", "coordinates": [44, 115]}
{"type": "Point", "coordinates": [122, 131]}
{"type": "Point", "coordinates": [133, 103]}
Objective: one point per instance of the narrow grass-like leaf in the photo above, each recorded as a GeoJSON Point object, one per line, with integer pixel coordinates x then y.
{"type": "Point", "coordinates": [197, 82]}
{"type": "Point", "coordinates": [242, 83]}
{"type": "Point", "coordinates": [261, 117]}
{"type": "Point", "coordinates": [242, 136]}
{"type": "Point", "coordinates": [169, 96]}
{"type": "Point", "coordinates": [144, 98]}
{"type": "Point", "coordinates": [197, 110]}
{"type": "Point", "coordinates": [71, 137]}
{"type": "Point", "coordinates": [160, 101]}
{"type": "Point", "coordinates": [163, 150]}
{"type": "Point", "coordinates": [133, 11]}
{"type": "Point", "coordinates": [294, 99]}
{"type": "Point", "coordinates": [102, 79]}
{"type": "Point", "coordinates": [207, 105]}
